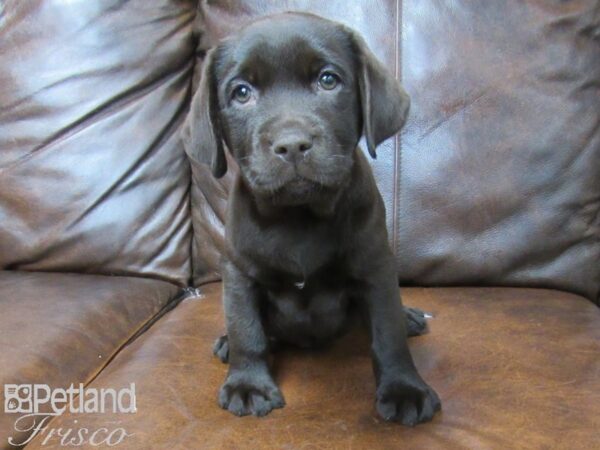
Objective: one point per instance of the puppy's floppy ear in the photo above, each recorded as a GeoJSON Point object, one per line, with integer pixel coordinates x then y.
{"type": "Point", "coordinates": [201, 133]}
{"type": "Point", "coordinates": [384, 103]}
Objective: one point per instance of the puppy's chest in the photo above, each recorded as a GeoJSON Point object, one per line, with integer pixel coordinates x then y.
{"type": "Point", "coordinates": [299, 252]}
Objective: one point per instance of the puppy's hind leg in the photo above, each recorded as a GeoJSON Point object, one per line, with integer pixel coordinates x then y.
{"type": "Point", "coordinates": [416, 321]}
{"type": "Point", "coordinates": [221, 349]}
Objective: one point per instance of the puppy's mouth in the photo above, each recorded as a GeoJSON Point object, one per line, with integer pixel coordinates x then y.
{"type": "Point", "coordinates": [301, 192]}
{"type": "Point", "coordinates": [297, 186]}
{"type": "Point", "coordinates": [293, 190]}
{"type": "Point", "coordinates": [301, 186]}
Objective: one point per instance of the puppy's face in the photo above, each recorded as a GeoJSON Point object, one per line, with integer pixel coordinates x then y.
{"type": "Point", "coordinates": [291, 96]}
{"type": "Point", "coordinates": [289, 106]}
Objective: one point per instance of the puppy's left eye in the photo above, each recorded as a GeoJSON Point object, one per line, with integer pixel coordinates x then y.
{"type": "Point", "coordinates": [328, 80]}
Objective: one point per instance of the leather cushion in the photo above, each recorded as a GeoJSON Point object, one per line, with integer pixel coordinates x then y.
{"type": "Point", "coordinates": [500, 173]}
{"type": "Point", "coordinates": [93, 177]}
{"type": "Point", "coordinates": [515, 368]}
{"type": "Point", "coordinates": [58, 329]}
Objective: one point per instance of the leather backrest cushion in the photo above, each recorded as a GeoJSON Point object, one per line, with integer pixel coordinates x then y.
{"type": "Point", "coordinates": [93, 177]}
{"type": "Point", "coordinates": [500, 172]}
{"type": "Point", "coordinates": [495, 179]}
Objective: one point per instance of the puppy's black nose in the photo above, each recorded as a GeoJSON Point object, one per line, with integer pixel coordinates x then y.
{"type": "Point", "coordinates": [292, 145]}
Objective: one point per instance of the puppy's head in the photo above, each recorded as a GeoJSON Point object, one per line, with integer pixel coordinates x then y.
{"type": "Point", "coordinates": [290, 96]}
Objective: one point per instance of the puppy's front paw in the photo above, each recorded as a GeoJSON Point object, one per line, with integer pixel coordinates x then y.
{"type": "Point", "coordinates": [221, 349]}
{"type": "Point", "coordinates": [407, 402]}
{"type": "Point", "coordinates": [246, 392]}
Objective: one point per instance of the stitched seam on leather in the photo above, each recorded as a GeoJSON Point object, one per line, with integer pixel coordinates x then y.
{"type": "Point", "coordinates": [396, 142]}
{"type": "Point", "coordinates": [399, 135]}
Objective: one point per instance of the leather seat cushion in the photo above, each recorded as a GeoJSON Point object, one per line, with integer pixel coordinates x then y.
{"type": "Point", "coordinates": [59, 329]}
{"type": "Point", "coordinates": [515, 368]}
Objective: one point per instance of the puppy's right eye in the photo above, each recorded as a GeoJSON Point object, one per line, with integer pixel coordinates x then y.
{"type": "Point", "coordinates": [242, 93]}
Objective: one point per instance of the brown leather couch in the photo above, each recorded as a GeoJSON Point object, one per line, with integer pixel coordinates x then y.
{"type": "Point", "coordinates": [110, 239]}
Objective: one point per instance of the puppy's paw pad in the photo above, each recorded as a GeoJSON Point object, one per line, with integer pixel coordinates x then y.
{"type": "Point", "coordinates": [221, 349]}
{"type": "Point", "coordinates": [416, 321]}
{"type": "Point", "coordinates": [244, 396]}
{"type": "Point", "coordinates": [407, 404]}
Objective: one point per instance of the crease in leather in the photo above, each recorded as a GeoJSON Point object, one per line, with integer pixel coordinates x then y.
{"type": "Point", "coordinates": [184, 294]}
{"type": "Point", "coordinates": [457, 108]}
{"type": "Point", "coordinates": [107, 109]}
{"type": "Point", "coordinates": [171, 127]}
{"type": "Point", "coordinates": [520, 76]}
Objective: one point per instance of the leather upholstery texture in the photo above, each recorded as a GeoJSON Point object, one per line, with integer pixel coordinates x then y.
{"type": "Point", "coordinates": [515, 369]}
{"type": "Point", "coordinates": [58, 329]}
{"type": "Point", "coordinates": [93, 177]}
{"type": "Point", "coordinates": [495, 180]}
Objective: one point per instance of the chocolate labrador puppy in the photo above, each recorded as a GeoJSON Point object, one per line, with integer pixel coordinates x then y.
{"type": "Point", "coordinates": [306, 242]}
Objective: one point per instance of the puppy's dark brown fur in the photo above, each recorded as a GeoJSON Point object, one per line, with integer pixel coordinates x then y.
{"type": "Point", "coordinates": [290, 96]}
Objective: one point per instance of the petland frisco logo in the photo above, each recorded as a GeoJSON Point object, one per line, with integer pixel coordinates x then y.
{"type": "Point", "coordinates": [37, 403]}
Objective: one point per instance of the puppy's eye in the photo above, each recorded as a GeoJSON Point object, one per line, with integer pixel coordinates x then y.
{"type": "Point", "coordinates": [242, 93]}
{"type": "Point", "coordinates": [328, 80]}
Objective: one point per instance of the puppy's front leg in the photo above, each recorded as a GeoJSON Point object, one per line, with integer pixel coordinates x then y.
{"type": "Point", "coordinates": [402, 395]}
{"type": "Point", "coordinates": [249, 387]}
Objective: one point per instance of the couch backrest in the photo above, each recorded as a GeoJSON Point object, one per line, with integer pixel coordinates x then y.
{"type": "Point", "coordinates": [495, 180]}
{"type": "Point", "coordinates": [93, 177]}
